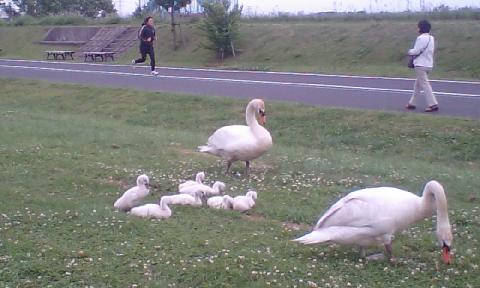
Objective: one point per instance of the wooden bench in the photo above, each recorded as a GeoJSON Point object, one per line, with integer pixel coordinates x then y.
{"type": "Point", "coordinates": [102, 55]}
{"type": "Point", "coordinates": [57, 54]}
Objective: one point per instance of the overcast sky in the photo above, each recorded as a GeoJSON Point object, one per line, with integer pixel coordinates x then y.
{"type": "Point", "coordinates": [309, 6]}
{"type": "Point", "coordinates": [126, 7]}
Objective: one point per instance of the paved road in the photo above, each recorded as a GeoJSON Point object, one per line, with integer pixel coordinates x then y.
{"type": "Point", "coordinates": [456, 98]}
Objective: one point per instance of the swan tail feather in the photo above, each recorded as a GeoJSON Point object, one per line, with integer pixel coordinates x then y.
{"type": "Point", "coordinates": [203, 149]}
{"type": "Point", "coordinates": [313, 238]}
{"type": "Point", "coordinates": [211, 150]}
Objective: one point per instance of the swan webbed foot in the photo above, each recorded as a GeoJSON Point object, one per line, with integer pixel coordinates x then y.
{"type": "Point", "coordinates": [375, 257]}
{"type": "Point", "coordinates": [380, 256]}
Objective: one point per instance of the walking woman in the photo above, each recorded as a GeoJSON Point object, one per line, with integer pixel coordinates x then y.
{"type": "Point", "coordinates": [423, 64]}
{"type": "Point", "coordinates": [147, 36]}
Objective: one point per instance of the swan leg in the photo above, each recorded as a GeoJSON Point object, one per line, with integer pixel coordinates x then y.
{"type": "Point", "coordinates": [229, 163]}
{"type": "Point", "coordinates": [247, 168]}
{"type": "Point", "coordinates": [363, 254]}
{"type": "Point", "coordinates": [389, 250]}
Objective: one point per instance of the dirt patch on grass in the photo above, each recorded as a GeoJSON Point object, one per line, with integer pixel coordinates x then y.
{"type": "Point", "coordinates": [254, 218]}
{"type": "Point", "coordinates": [121, 183]}
{"type": "Point", "coordinates": [185, 152]}
{"type": "Point", "coordinates": [261, 167]}
{"type": "Point", "coordinates": [295, 226]}
{"type": "Point", "coordinates": [287, 225]}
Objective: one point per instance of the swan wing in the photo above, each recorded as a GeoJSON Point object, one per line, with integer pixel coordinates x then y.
{"type": "Point", "coordinates": [215, 202]}
{"type": "Point", "coordinates": [142, 211]}
{"type": "Point", "coordinates": [385, 209]}
{"type": "Point", "coordinates": [186, 184]}
{"type": "Point", "coordinates": [228, 138]}
{"type": "Point", "coordinates": [196, 188]}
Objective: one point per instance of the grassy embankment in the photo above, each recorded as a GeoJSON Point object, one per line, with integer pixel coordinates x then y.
{"type": "Point", "coordinates": [365, 47]}
{"type": "Point", "coordinates": [67, 152]}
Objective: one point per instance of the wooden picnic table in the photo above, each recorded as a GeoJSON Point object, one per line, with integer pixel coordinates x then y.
{"type": "Point", "coordinates": [56, 54]}
{"type": "Point", "coordinates": [102, 55]}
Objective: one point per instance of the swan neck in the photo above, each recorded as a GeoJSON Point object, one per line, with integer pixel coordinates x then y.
{"type": "Point", "coordinates": [250, 116]}
{"type": "Point", "coordinates": [434, 192]}
{"type": "Point", "coordinates": [163, 204]}
{"type": "Point", "coordinates": [217, 187]}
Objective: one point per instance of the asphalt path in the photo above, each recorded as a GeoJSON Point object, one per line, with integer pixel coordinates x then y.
{"type": "Point", "coordinates": [456, 98]}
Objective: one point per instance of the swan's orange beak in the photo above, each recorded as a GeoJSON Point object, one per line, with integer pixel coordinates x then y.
{"type": "Point", "coordinates": [446, 256]}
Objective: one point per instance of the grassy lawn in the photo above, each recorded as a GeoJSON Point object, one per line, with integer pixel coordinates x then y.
{"type": "Point", "coordinates": [68, 151]}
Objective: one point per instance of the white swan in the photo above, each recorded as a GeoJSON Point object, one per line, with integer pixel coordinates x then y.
{"type": "Point", "coordinates": [198, 180]}
{"type": "Point", "coordinates": [185, 199]}
{"type": "Point", "coordinates": [132, 196]}
{"type": "Point", "coordinates": [244, 203]}
{"type": "Point", "coordinates": [217, 188]}
{"type": "Point", "coordinates": [153, 210]}
{"type": "Point", "coordinates": [240, 142]}
{"type": "Point", "coordinates": [372, 216]}
{"type": "Point", "coordinates": [220, 202]}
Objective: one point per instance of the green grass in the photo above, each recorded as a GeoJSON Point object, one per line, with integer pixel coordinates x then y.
{"type": "Point", "coordinates": [67, 152]}
{"type": "Point", "coordinates": [23, 42]}
{"type": "Point", "coordinates": [366, 47]}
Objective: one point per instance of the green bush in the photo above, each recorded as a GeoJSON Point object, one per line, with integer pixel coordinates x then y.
{"type": "Point", "coordinates": [24, 20]}
{"type": "Point", "coordinates": [114, 19]}
{"type": "Point", "coordinates": [62, 20]}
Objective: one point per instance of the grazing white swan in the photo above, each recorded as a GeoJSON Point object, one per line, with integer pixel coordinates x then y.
{"type": "Point", "coordinates": [153, 210]}
{"type": "Point", "coordinates": [217, 188]}
{"type": "Point", "coordinates": [372, 216]}
{"type": "Point", "coordinates": [220, 202]}
{"type": "Point", "coordinates": [185, 199]}
{"type": "Point", "coordinates": [240, 142]}
{"type": "Point", "coordinates": [244, 203]}
{"type": "Point", "coordinates": [132, 196]}
{"type": "Point", "coordinates": [198, 180]}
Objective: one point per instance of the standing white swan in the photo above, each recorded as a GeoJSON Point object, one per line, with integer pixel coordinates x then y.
{"type": "Point", "coordinates": [132, 196]}
{"type": "Point", "coordinates": [217, 188]}
{"type": "Point", "coordinates": [240, 142]}
{"type": "Point", "coordinates": [153, 210]}
{"type": "Point", "coordinates": [244, 203]}
{"type": "Point", "coordinates": [220, 202]}
{"type": "Point", "coordinates": [198, 180]}
{"type": "Point", "coordinates": [372, 216]}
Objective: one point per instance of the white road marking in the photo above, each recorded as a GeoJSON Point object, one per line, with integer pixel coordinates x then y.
{"type": "Point", "coordinates": [245, 71]}
{"type": "Point", "coordinates": [297, 84]}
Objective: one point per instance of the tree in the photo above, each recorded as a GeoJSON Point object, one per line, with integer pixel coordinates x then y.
{"type": "Point", "coordinates": [172, 6]}
{"type": "Point", "coordinates": [55, 7]}
{"type": "Point", "coordinates": [221, 25]}
{"type": "Point", "coordinates": [11, 11]}
{"type": "Point", "coordinates": [27, 6]}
